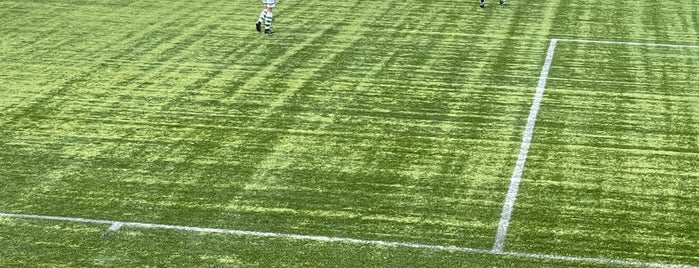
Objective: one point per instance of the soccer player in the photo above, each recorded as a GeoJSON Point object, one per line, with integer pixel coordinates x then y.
{"type": "Point", "coordinates": [502, 2]}
{"type": "Point", "coordinates": [266, 15]}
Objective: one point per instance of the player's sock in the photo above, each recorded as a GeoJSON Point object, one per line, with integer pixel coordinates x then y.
{"type": "Point", "coordinates": [268, 21]}
{"type": "Point", "coordinates": [482, 3]}
{"type": "Point", "coordinates": [263, 14]}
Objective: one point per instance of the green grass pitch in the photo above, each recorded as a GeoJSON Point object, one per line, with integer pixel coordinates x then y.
{"type": "Point", "coordinates": [397, 121]}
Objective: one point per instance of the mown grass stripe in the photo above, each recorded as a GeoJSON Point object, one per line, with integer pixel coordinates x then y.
{"type": "Point", "coordinates": [117, 224]}
{"type": "Point", "coordinates": [38, 105]}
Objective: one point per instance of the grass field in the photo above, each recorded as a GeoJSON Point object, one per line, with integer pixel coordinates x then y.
{"type": "Point", "coordinates": [380, 121]}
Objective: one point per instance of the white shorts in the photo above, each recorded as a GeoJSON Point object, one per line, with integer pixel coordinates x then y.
{"type": "Point", "coordinates": [269, 3]}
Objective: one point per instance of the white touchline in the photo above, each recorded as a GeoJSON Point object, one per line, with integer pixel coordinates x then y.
{"type": "Point", "coordinates": [511, 196]}
{"type": "Point", "coordinates": [117, 224]}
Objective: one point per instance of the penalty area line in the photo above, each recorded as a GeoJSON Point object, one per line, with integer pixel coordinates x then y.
{"type": "Point", "coordinates": [116, 225]}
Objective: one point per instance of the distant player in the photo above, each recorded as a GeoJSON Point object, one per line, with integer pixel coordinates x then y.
{"type": "Point", "coordinates": [266, 16]}
{"type": "Point", "coordinates": [502, 2]}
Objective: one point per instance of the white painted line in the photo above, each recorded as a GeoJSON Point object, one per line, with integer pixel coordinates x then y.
{"type": "Point", "coordinates": [349, 240]}
{"type": "Point", "coordinates": [55, 218]}
{"type": "Point", "coordinates": [112, 229]}
{"type": "Point", "coordinates": [303, 237]}
{"type": "Point", "coordinates": [511, 196]}
{"type": "Point", "coordinates": [115, 227]}
{"type": "Point", "coordinates": [626, 43]}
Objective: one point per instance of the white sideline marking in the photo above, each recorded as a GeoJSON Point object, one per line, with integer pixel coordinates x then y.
{"type": "Point", "coordinates": [625, 43]}
{"type": "Point", "coordinates": [511, 196]}
{"type": "Point", "coordinates": [119, 224]}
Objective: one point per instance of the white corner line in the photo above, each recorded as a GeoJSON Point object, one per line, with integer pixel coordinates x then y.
{"type": "Point", "coordinates": [626, 43]}
{"type": "Point", "coordinates": [511, 197]}
{"type": "Point", "coordinates": [117, 224]}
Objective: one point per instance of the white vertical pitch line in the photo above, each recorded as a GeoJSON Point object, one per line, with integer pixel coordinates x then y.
{"type": "Point", "coordinates": [511, 196]}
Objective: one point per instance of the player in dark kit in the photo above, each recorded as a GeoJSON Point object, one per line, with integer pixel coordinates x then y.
{"type": "Point", "coordinates": [502, 2]}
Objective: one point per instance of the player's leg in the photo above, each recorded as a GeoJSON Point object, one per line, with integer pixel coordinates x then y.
{"type": "Point", "coordinates": [263, 15]}
{"type": "Point", "coordinates": [269, 17]}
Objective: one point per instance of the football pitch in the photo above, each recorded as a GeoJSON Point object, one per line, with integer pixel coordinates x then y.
{"type": "Point", "coordinates": [152, 133]}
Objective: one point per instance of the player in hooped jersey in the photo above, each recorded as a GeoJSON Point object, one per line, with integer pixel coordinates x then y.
{"type": "Point", "coordinates": [266, 16]}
